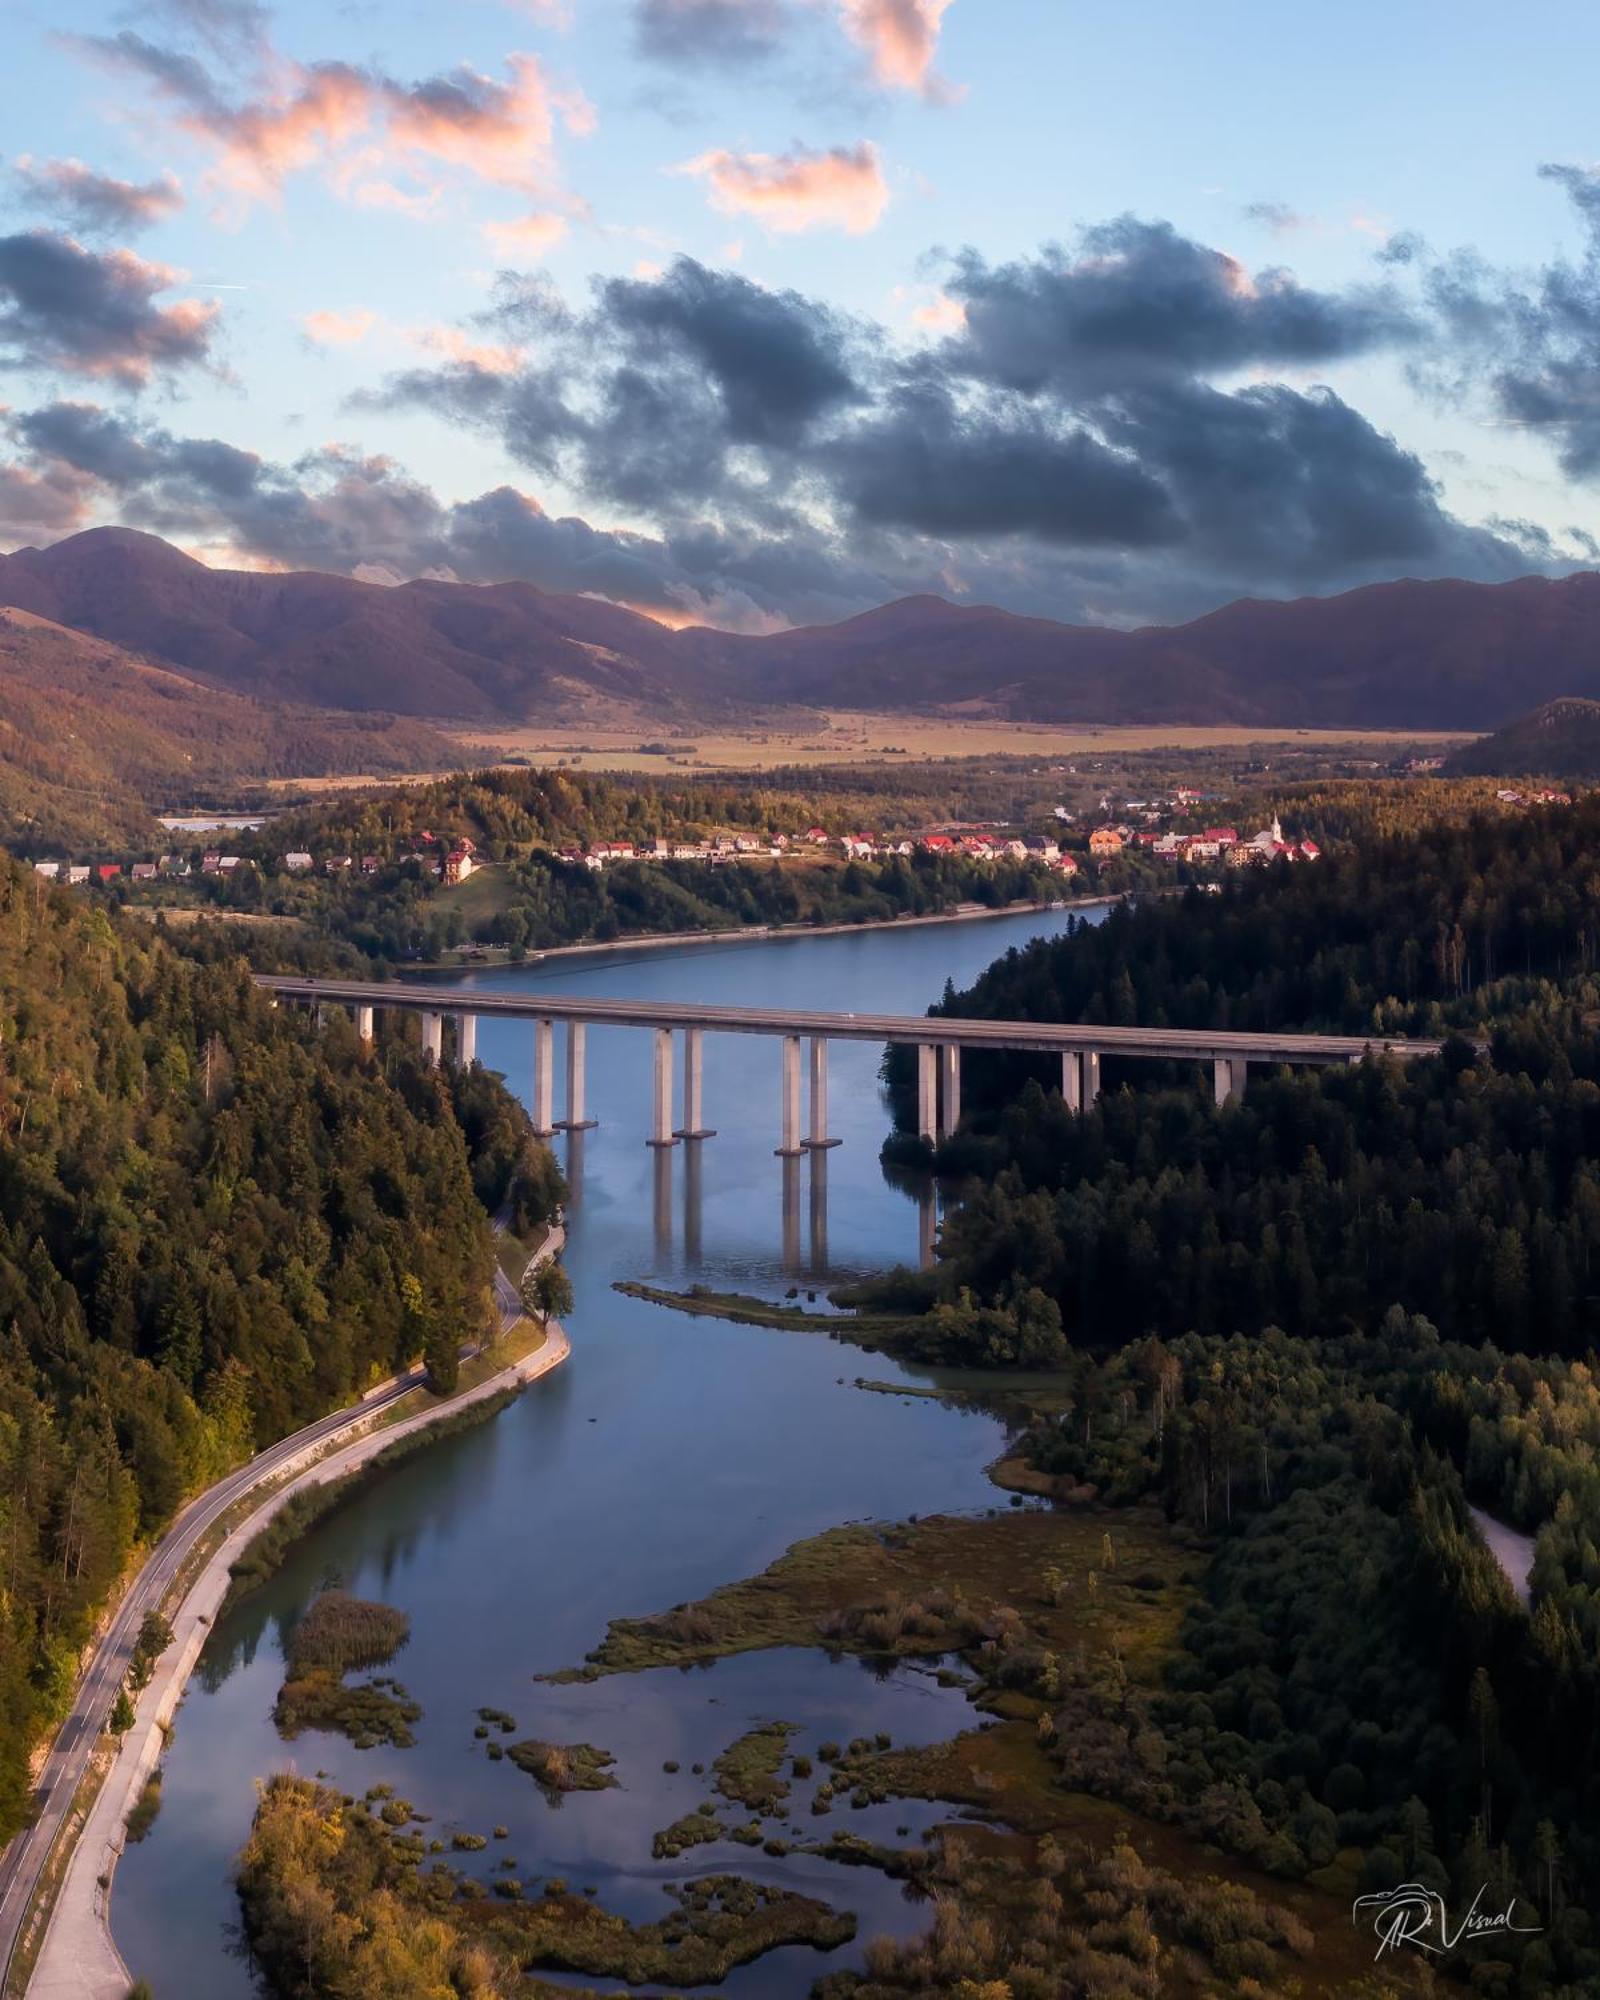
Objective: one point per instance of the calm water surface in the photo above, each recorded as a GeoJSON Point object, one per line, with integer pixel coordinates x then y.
{"type": "Point", "coordinates": [668, 1456]}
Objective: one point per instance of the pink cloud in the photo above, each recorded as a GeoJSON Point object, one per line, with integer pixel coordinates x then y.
{"type": "Point", "coordinates": [363, 128]}
{"type": "Point", "coordinates": [499, 132]}
{"type": "Point", "coordinates": [940, 314]}
{"type": "Point", "coordinates": [843, 188]}
{"type": "Point", "coordinates": [491, 358]}
{"type": "Point", "coordinates": [527, 236]}
{"type": "Point", "coordinates": [332, 328]}
{"type": "Point", "coordinates": [901, 39]}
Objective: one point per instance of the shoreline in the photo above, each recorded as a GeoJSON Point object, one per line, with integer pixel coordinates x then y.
{"type": "Point", "coordinates": [78, 1958]}
{"type": "Point", "coordinates": [963, 913]}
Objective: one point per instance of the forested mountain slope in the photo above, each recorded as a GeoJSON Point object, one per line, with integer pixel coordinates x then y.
{"type": "Point", "coordinates": [92, 738]}
{"type": "Point", "coordinates": [215, 1222]}
{"type": "Point", "coordinates": [1559, 740]}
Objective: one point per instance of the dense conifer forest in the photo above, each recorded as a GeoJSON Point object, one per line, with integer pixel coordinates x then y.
{"type": "Point", "coordinates": [218, 1222]}
{"type": "Point", "coordinates": [1318, 1325]}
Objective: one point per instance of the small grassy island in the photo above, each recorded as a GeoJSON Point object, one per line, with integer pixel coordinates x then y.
{"type": "Point", "coordinates": [558, 1768]}
{"type": "Point", "coordinates": [340, 1635]}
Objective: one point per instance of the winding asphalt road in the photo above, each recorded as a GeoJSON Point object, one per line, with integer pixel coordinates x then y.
{"type": "Point", "coordinates": [23, 1860]}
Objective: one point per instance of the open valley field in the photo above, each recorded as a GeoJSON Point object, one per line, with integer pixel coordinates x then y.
{"type": "Point", "coordinates": [845, 736]}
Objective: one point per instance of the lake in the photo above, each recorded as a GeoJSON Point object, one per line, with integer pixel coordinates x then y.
{"type": "Point", "coordinates": [669, 1455]}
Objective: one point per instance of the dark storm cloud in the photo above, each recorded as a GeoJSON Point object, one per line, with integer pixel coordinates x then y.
{"type": "Point", "coordinates": [1275, 484]}
{"type": "Point", "coordinates": [670, 392]}
{"type": "Point", "coordinates": [527, 411]}
{"type": "Point", "coordinates": [693, 34]}
{"type": "Point", "coordinates": [776, 359]}
{"type": "Point", "coordinates": [65, 307]}
{"type": "Point", "coordinates": [90, 440]}
{"type": "Point", "coordinates": [926, 463]}
{"type": "Point", "coordinates": [331, 509]}
{"type": "Point", "coordinates": [93, 202]}
{"type": "Point", "coordinates": [1139, 301]}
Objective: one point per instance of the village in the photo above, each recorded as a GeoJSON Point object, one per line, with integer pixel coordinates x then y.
{"type": "Point", "coordinates": [1140, 828]}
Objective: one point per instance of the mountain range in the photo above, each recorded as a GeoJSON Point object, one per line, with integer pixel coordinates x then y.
{"type": "Point", "coordinates": [1445, 655]}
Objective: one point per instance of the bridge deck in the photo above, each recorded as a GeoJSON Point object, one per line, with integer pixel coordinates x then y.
{"type": "Point", "coordinates": [1046, 1037]}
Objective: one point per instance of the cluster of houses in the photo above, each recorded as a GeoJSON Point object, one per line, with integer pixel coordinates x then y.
{"type": "Point", "coordinates": [170, 868]}
{"type": "Point", "coordinates": [451, 863]}
{"type": "Point", "coordinates": [1507, 797]}
{"type": "Point", "coordinates": [1214, 843]}
{"type": "Point", "coordinates": [853, 846]}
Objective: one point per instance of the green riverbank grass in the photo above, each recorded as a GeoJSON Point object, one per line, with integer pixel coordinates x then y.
{"type": "Point", "coordinates": [937, 1586]}
{"type": "Point", "coordinates": [878, 1330]}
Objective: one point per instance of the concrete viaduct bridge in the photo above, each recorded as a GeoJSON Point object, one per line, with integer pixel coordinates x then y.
{"type": "Point", "coordinates": [804, 1037]}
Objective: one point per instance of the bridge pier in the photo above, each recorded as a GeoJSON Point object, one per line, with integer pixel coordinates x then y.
{"type": "Point", "coordinates": [466, 1040]}
{"type": "Point", "coordinates": [927, 1093]}
{"type": "Point", "coordinates": [1080, 1079]}
{"type": "Point", "coordinates": [577, 1048]}
{"type": "Point", "coordinates": [949, 1089]}
{"type": "Point", "coordinates": [661, 1132]}
{"type": "Point", "coordinates": [542, 1109]}
{"type": "Point", "coordinates": [364, 1028]}
{"type": "Point", "coordinates": [790, 1147]}
{"type": "Point", "coordinates": [1228, 1078]}
{"type": "Point", "coordinates": [818, 1141]}
{"type": "Point", "coordinates": [694, 1125]}
{"type": "Point", "coordinates": [433, 1038]}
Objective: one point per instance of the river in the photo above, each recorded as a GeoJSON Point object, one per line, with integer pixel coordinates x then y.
{"type": "Point", "coordinates": [670, 1455]}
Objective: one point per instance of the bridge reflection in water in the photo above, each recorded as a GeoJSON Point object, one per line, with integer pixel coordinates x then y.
{"type": "Point", "coordinates": [805, 1256]}
{"type": "Point", "coordinates": [803, 1037]}
{"type": "Point", "coordinates": [803, 1212]}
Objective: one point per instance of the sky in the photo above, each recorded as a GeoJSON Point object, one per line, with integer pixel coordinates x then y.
{"type": "Point", "coordinates": [763, 312]}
